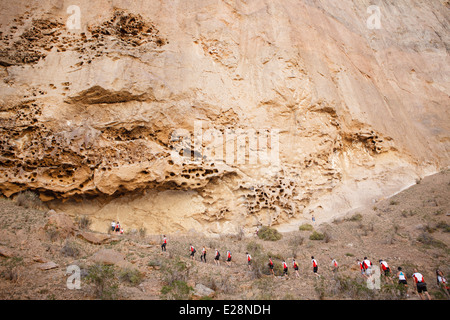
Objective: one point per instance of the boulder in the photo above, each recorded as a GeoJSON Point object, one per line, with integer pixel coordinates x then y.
{"type": "Point", "coordinates": [201, 290]}
{"type": "Point", "coordinates": [94, 238]}
{"type": "Point", "coordinates": [6, 252]}
{"type": "Point", "coordinates": [48, 265]}
{"type": "Point", "coordinates": [61, 223]}
{"type": "Point", "coordinates": [112, 257]}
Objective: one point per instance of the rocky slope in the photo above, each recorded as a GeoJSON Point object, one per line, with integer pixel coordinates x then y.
{"type": "Point", "coordinates": [38, 248]}
{"type": "Point", "coordinates": [104, 119]}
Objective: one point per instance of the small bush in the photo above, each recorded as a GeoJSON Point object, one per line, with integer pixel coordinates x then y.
{"type": "Point", "coordinates": [317, 236]}
{"type": "Point", "coordinates": [306, 227]}
{"type": "Point", "coordinates": [177, 290]}
{"type": "Point", "coordinates": [70, 250]}
{"type": "Point", "coordinates": [349, 254]}
{"type": "Point", "coordinates": [29, 200]}
{"type": "Point", "coordinates": [52, 233]}
{"type": "Point", "coordinates": [176, 274]}
{"type": "Point", "coordinates": [154, 263]}
{"type": "Point", "coordinates": [355, 217]}
{"type": "Point", "coordinates": [11, 265]}
{"type": "Point", "coordinates": [83, 222]}
{"type": "Point", "coordinates": [269, 234]}
{"type": "Point", "coordinates": [142, 232]}
{"type": "Point", "coordinates": [254, 247]}
{"type": "Point", "coordinates": [444, 226]}
{"type": "Point", "coordinates": [406, 214]}
{"type": "Point", "coordinates": [428, 240]}
{"type": "Point", "coordinates": [131, 276]}
{"type": "Point", "coordinates": [393, 202]}
{"type": "Point", "coordinates": [105, 281]}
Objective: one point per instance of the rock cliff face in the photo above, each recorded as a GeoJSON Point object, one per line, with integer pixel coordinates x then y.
{"type": "Point", "coordinates": [219, 115]}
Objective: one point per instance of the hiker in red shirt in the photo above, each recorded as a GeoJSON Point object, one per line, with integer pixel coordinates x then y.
{"type": "Point", "coordinates": [271, 266]}
{"type": "Point", "coordinates": [295, 266]}
{"type": "Point", "coordinates": [228, 261]}
{"type": "Point", "coordinates": [442, 282]}
{"type": "Point", "coordinates": [314, 265]}
{"type": "Point", "coordinates": [203, 255]}
{"type": "Point", "coordinates": [192, 251]}
{"type": "Point", "coordinates": [249, 261]}
{"type": "Point", "coordinates": [163, 245]}
{"type": "Point", "coordinates": [367, 266]}
{"type": "Point", "coordinates": [334, 265]}
{"type": "Point", "coordinates": [285, 269]}
{"type": "Point", "coordinates": [361, 268]}
{"type": "Point", "coordinates": [387, 270]}
{"type": "Point", "coordinates": [217, 257]}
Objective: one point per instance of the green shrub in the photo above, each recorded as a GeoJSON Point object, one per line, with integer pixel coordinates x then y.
{"type": "Point", "coordinates": [270, 234]}
{"type": "Point", "coordinates": [428, 240]}
{"type": "Point", "coordinates": [444, 226]}
{"type": "Point", "coordinates": [317, 236]}
{"type": "Point", "coordinates": [355, 217]}
{"type": "Point", "coordinates": [132, 276]}
{"type": "Point", "coordinates": [177, 290]}
{"type": "Point", "coordinates": [176, 274]}
{"type": "Point", "coordinates": [105, 281]}
{"type": "Point", "coordinates": [306, 227]}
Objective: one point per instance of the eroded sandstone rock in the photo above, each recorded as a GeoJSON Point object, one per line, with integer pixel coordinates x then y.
{"type": "Point", "coordinates": [102, 120]}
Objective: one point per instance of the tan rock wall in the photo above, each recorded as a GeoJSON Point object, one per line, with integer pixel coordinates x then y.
{"type": "Point", "coordinates": [91, 118]}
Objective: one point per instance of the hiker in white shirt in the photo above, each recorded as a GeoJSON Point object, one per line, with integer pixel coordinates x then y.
{"type": "Point", "coordinates": [367, 266]}
{"type": "Point", "coordinates": [402, 280]}
{"type": "Point", "coordinates": [387, 270]}
{"type": "Point", "coordinates": [334, 265]}
{"type": "Point", "coordinates": [421, 286]}
{"type": "Point", "coordinates": [442, 282]}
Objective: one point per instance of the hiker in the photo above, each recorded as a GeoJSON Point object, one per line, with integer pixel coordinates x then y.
{"type": "Point", "coordinates": [203, 255]}
{"type": "Point", "coordinates": [249, 261]}
{"type": "Point", "coordinates": [117, 228]}
{"type": "Point", "coordinates": [285, 268]}
{"type": "Point", "coordinates": [315, 266]}
{"type": "Point", "coordinates": [295, 266]}
{"type": "Point", "coordinates": [121, 230]}
{"type": "Point", "coordinates": [228, 261]}
{"type": "Point", "coordinates": [217, 257]}
{"type": "Point", "coordinates": [367, 266]}
{"type": "Point", "coordinates": [163, 245]}
{"type": "Point", "coordinates": [387, 270]}
{"type": "Point", "coordinates": [192, 251]}
{"type": "Point", "coordinates": [361, 268]}
{"type": "Point", "coordinates": [313, 218]}
{"type": "Point", "coordinates": [113, 226]}
{"type": "Point", "coordinates": [271, 266]}
{"type": "Point", "coordinates": [334, 265]}
{"type": "Point", "coordinates": [442, 282]}
{"type": "Point", "coordinates": [421, 286]}
{"type": "Point", "coordinates": [402, 279]}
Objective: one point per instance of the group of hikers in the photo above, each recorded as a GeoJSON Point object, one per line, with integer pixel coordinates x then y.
{"type": "Point", "coordinates": [115, 227]}
{"type": "Point", "coordinates": [365, 267]}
